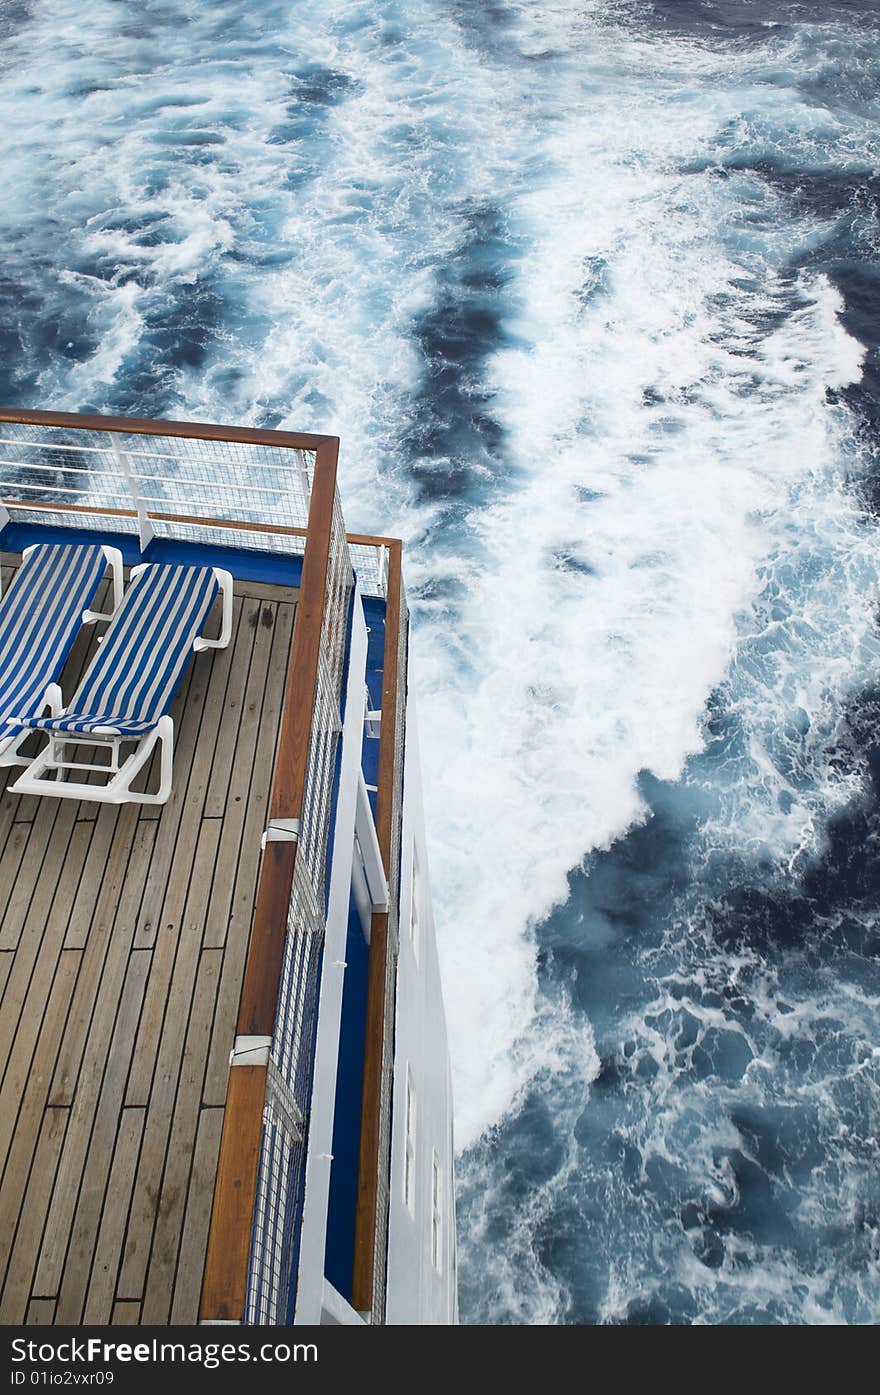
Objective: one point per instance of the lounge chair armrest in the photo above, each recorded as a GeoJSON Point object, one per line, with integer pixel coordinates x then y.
{"type": "Point", "coordinates": [114, 562]}
{"type": "Point", "coordinates": [224, 581]}
{"type": "Point", "coordinates": [54, 700]}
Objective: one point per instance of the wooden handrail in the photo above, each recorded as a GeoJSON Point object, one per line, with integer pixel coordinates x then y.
{"type": "Point", "coordinates": [367, 1206]}
{"type": "Point", "coordinates": [187, 430]}
{"type": "Point", "coordinates": [291, 762]}
{"type": "Point", "coordinates": [226, 1263]}
{"type": "Point", "coordinates": [235, 525]}
{"type": "Point", "coordinates": [390, 682]}
{"type": "Point", "coordinates": [224, 1286]}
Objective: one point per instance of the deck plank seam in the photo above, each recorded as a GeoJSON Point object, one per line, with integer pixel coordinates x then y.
{"type": "Point", "coordinates": [39, 941]}
{"type": "Point", "coordinates": [40, 953]}
{"type": "Point", "coordinates": [246, 797]}
{"type": "Point", "coordinates": [38, 1036]}
{"type": "Point", "coordinates": [99, 1099]}
{"type": "Point", "coordinates": [36, 1254]}
{"type": "Point", "coordinates": [261, 676]}
{"type": "Point", "coordinates": [284, 645]}
{"type": "Point", "coordinates": [40, 1110]}
{"type": "Point", "coordinates": [120, 832]}
{"type": "Point", "coordinates": [200, 971]}
{"type": "Point", "coordinates": [179, 808]}
{"type": "Point", "coordinates": [103, 1218]}
{"type": "Point", "coordinates": [94, 1105]}
{"type": "Point", "coordinates": [171, 1113]}
{"type": "Point", "coordinates": [53, 816]}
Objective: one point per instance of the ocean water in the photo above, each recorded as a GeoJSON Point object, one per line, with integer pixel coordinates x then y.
{"type": "Point", "coordinates": [590, 291]}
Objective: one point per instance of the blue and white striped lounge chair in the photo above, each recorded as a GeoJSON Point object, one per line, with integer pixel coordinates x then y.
{"type": "Point", "coordinates": [40, 617]}
{"type": "Point", "coordinates": [126, 691]}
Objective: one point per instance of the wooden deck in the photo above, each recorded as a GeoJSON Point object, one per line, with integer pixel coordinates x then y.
{"type": "Point", "coordinates": [123, 939]}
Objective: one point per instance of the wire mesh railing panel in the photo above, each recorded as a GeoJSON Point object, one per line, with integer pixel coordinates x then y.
{"type": "Point", "coordinates": [76, 468]}
{"type": "Point", "coordinates": [282, 544]}
{"type": "Point", "coordinates": [96, 522]}
{"type": "Point", "coordinates": [223, 479]}
{"type": "Point", "coordinates": [291, 1058]}
{"type": "Point", "coordinates": [78, 473]}
{"type": "Point", "coordinates": [285, 1120]}
{"type": "Point", "coordinates": [267, 1254]}
{"type": "Point", "coordinates": [370, 562]}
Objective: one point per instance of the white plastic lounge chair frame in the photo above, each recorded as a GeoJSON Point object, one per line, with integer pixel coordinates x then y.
{"type": "Point", "coordinates": [52, 698]}
{"type": "Point", "coordinates": [49, 773]}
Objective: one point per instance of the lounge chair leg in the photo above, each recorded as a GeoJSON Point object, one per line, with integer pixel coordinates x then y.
{"type": "Point", "coordinates": [54, 701]}
{"type": "Point", "coordinates": [119, 788]}
{"type": "Point", "coordinates": [165, 732]}
{"type": "Point", "coordinates": [37, 778]}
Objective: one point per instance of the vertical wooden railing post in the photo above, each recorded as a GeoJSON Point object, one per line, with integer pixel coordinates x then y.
{"type": "Point", "coordinates": [370, 1196]}
{"type": "Point", "coordinates": [229, 1238]}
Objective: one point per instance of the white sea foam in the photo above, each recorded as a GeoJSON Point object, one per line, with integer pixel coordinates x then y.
{"type": "Point", "coordinates": [673, 478]}
{"type": "Point", "coordinates": [645, 376]}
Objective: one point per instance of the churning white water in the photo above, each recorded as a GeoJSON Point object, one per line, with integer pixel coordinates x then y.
{"type": "Point", "coordinates": [563, 278]}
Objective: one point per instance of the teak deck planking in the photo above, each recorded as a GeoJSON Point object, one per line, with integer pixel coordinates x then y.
{"type": "Point", "coordinates": [123, 938]}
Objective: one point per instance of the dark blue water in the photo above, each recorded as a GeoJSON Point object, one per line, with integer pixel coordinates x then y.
{"type": "Point", "coordinates": [589, 290]}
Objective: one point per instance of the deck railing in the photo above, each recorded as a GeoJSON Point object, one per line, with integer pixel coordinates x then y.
{"type": "Point", "coordinates": [374, 1167]}
{"type": "Point", "coordinates": [291, 1054]}
{"type": "Point", "coordinates": [271, 491]}
{"type": "Point", "coordinates": [235, 487]}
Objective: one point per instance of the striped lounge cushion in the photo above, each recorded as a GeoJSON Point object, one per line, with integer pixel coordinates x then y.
{"type": "Point", "coordinates": [132, 679]}
{"type": "Point", "coordinates": [40, 617]}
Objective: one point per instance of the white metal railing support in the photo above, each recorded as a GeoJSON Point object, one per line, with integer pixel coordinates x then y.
{"type": "Point", "coordinates": [365, 830]}
{"type": "Point", "coordinates": [145, 527]}
{"type": "Point", "coordinates": [383, 571]}
{"type": "Point", "coordinates": [335, 1311]}
{"type": "Point", "coordinates": [303, 472]}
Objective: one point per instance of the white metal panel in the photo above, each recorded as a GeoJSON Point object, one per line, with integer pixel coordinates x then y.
{"type": "Point", "coordinates": [418, 1292]}
{"type": "Point", "coordinates": [369, 847]}
{"type": "Point", "coordinates": [336, 1312]}
{"type": "Point", "coordinates": [310, 1282]}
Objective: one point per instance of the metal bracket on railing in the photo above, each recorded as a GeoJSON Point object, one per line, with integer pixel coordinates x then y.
{"type": "Point", "coordinates": [280, 1099]}
{"type": "Point", "coordinates": [303, 470]}
{"type": "Point", "coordinates": [250, 1051]}
{"type": "Point", "coordinates": [372, 716]}
{"type": "Point", "coordinates": [146, 532]}
{"type": "Point", "coordinates": [281, 831]}
{"type": "Point", "coordinates": [4, 515]}
{"type": "Point", "coordinates": [367, 841]}
{"type": "Point", "coordinates": [383, 571]}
